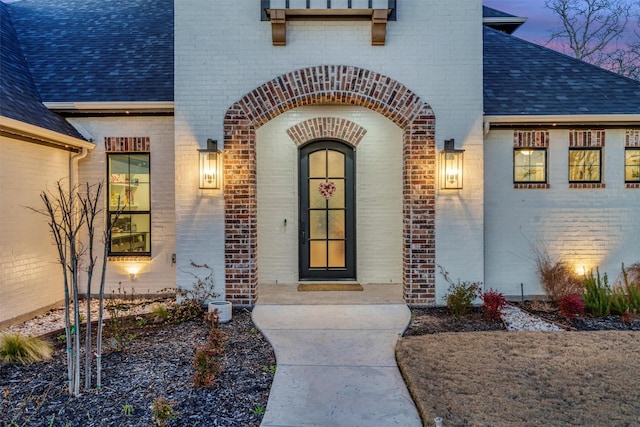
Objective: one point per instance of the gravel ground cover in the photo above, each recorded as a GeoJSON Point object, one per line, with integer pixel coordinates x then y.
{"type": "Point", "coordinates": [585, 322]}
{"type": "Point", "coordinates": [157, 363]}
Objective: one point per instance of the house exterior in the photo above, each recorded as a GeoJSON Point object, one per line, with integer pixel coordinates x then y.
{"type": "Point", "coordinates": [331, 121]}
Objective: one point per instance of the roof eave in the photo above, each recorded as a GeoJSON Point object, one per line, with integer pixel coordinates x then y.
{"type": "Point", "coordinates": [24, 131]}
{"type": "Point", "coordinates": [507, 24]}
{"type": "Point", "coordinates": [574, 119]}
{"type": "Point", "coordinates": [504, 20]}
{"type": "Point", "coordinates": [111, 107]}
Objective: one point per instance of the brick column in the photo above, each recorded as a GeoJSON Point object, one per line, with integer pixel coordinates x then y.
{"type": "Point", "coordinates": [330, 85]}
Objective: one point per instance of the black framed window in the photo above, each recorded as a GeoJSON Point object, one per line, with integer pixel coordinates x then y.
{"type": "Point", "coordinates": [585, 165]}
{"type": "Point", "coordinates": [129, 194]}
{"type": "Point", "coordinates": [530, 165]}
{"type": "Point", "coordinates": [632, 165]}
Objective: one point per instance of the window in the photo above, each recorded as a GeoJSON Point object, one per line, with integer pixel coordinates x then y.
{"type": "Point", "coordinates": [585, 165]}
{"type": "Point", "coordinates": [632, 165]}
{"type": "Point", "coordinates": [129, 190]}
{"type": "Point", "coordinates": [530, 165]}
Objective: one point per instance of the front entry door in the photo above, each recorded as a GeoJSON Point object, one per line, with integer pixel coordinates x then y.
{"type": "Point", "coordinates": [327, 211]}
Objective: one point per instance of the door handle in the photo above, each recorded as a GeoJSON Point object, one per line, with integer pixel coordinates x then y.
{"type": "Point", "coordinates": [303, 233]}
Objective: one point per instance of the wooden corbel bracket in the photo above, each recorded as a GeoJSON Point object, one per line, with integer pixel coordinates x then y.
{"type": "Point", "coordinates": [378, 27]}
{"type": "Point", "coordinates": [278, 27]}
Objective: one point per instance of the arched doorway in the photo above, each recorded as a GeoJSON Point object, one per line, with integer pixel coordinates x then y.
{"type": "Point", "coordinates": [330, 85]}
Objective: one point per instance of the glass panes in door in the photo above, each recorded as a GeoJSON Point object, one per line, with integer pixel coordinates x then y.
{"type": "Point", "coordinates": [327, 209]}
{"type": "Point", "coordinates": [327, 206]}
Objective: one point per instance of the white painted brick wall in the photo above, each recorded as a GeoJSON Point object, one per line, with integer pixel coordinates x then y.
{"type": "Point", "coordinates": [158, 273]}
{"type": "Point", "coordinates": [378, 196]}
{"type": "Point", "coordinates": [223, 51]}
{"type": "Point", "coordinates": [587, 227]}
{"type": "Point", "coordinates": [30, 275]}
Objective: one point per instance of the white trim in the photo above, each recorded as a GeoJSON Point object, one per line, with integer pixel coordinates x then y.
{"type": "Point", "coordinates": [18, 128]}
{"type": "Point", "coordinates": [566, 119]}
{"type": "Point", "coordinates": [504, 20]}
{"type": "Point", "coordinates": [153, 106]}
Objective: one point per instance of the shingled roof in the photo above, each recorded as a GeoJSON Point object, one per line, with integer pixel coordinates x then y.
{"type": "Point", "coordinates": [19, 99]}
{"type": "Point", "coordinates": [501, 20]}
{"type": "Point", "coordinates": [115, 51]}
{"type": "Point", "coordinates": [96, 50]}
{"type": "Point", "coordinates": [523, 78]}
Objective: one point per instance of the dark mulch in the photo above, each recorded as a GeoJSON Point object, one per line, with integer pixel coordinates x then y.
{"type": "Point", "coordinates": [434, 320]}
{"type": "Point", "coordinates": [550, 311]}
{"type": "Point", "coordinates": [157, 363]}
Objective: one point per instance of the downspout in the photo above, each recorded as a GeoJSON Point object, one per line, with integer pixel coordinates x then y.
{"type": "Point", "coordinates": [73, 167]}
{"type": "Point", "coordinates": [486, 128]}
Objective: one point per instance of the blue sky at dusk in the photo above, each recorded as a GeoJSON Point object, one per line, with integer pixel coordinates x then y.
{"type": "Point", "coordinates": [540, 20]}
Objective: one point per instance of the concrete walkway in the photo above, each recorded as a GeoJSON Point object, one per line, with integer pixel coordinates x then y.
{"type": "Point", "coordinates": [336, 365]}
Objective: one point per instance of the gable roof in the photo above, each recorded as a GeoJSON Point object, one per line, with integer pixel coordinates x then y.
{"type": "Point", "coordinates": [501, 20]}
{"type": "Point", "coordinates": [19, 97]}
{"type": "Point", "coordinates": [489, 12]}
{"type": "Point", "coordinates": [96, 50]}
{"type": "Point", "coordinates": [523, 78]}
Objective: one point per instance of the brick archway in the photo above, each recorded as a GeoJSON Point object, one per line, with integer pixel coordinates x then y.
{"type": "Point", "coordinates": [327, 127]}
{"type": "Point", "coordinates": [330, 85]}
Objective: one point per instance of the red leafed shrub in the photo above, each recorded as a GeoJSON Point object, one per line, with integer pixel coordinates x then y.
{"type": "Point", "coordinates": [493, 302]}
{"type": "Point", "coordinates": [571, 305]}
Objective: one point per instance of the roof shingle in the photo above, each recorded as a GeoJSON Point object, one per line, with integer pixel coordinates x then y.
{"type": "Point", "coordinates": [523, 78]}
{"type": "Point", "coordinates": [96, 50]}
{"type": "Point", "coordinates": [19, 99]}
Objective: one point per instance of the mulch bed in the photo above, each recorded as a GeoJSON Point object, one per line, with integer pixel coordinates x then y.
{"type": "Point", "coordinates": [434, 320]}
{"type": "Point", "coordinates": [157, 363]}
{"type": "Point", "coordinates": [550, 311]}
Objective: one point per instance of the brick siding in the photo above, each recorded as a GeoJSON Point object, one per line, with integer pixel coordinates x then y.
{"type": "Point", "coordinates": [127, 144]}
{"type": "Point", "coordinates": [330, 85]}
{"type": "Point", "coordinates": [327, 127]}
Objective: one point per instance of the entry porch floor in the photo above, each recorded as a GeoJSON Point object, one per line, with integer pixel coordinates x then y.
{"type": "Point", "coordinates": [390, 293]}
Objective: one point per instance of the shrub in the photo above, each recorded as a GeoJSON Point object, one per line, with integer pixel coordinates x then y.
{"type": "Point", "coordinates": [159, 312]}
{"type": "Point", "coordinates": [191, 301]}
{"type": "Point", "coordinates": [597, 295]}
{"type": "Point", "coordinates": [619, 301]}
{"type": "Point", "coordinates": [557, 277]}
{"type": "Point", "coordinates": [460, 297]}
{"type": "Point", "coordinates": [571, 305]}
{"type": "Point", "coordinates": [162, 411]}
{"type": "Point", "coordinates": [631, 278]}
{"type": "Point", "coordinates": [492, 304]}
{"type": "Point", "coordinates": [633, 273]}
{"type": "Point", "coordinates": [16, 348]}
{"type": "Point", "coordinates": [207, 365]}
{"type": "Point", "coordinates": [208, 358]}
{"type": "Point", "coordinates": [203, 288]}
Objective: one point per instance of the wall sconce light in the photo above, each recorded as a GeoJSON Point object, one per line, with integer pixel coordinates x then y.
{"type": "Point", "coordinates": [133, 273]}
{"type": "Point", "coordinates": [451, 167]}
{"type": "Point", "coordinates": [210, 165]}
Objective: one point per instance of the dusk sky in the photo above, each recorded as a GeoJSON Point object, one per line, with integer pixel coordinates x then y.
{"type": "Point", "coordinates": [540, 20]}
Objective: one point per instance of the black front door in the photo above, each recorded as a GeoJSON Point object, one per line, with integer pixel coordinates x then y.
{"type": "Point", "coordinates": [327, 211]}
